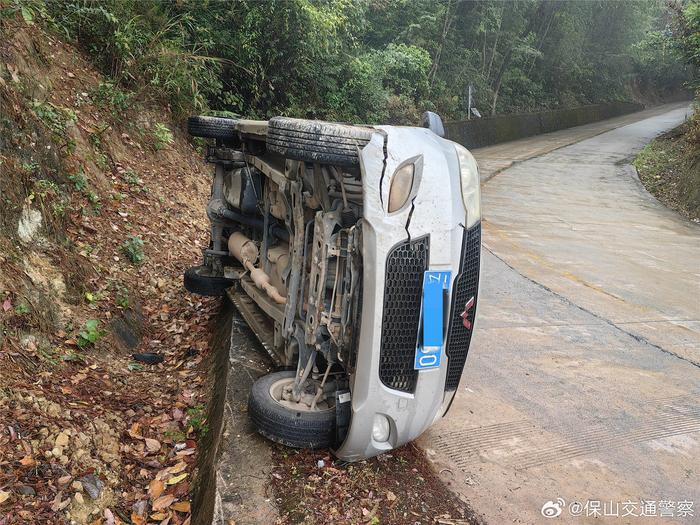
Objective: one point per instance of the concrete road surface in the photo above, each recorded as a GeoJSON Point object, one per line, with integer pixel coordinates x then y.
{"type": "Point", "coordinates": [581, 387]}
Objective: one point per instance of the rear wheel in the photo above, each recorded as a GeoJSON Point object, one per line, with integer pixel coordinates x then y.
{"type": "Point", "coordinates": [317, 141]}
{"type": "Point", "coordinates": [292, 424]}
{"type": "Point", "coordinates": [212, 127]}
{"type": "Point", "coordinates": [200, 280]}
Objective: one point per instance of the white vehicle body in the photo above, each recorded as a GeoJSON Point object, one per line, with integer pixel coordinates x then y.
{"type": "Point", "coordinates": [436, 210]}
{"type": "Point", "coordinates": [356, 260]}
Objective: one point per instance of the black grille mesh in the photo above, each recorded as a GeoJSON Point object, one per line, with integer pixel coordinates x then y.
{"type": "Point", "coordinates": [465, 287]}
{"type": "Point", "coordinates": [405, 265]}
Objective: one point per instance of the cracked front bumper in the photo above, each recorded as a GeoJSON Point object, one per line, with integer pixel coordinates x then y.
{"type": "Point", "coordinates": [427, 235]}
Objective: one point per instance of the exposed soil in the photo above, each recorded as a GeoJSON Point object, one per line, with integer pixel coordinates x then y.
{"type": "Point", "coordinates": [669, 167]}
{"type": "Point", "coordinates": [87, 433]}
{"type": "Point", "coordinates": [396, 488]}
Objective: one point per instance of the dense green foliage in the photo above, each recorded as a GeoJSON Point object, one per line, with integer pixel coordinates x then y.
{"type": "Point", "coordinates": [375, 60]}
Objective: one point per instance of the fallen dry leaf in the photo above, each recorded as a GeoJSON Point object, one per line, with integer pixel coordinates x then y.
{"type": "Point", "coordinates": [4, 496]}
{"type": "Point", "coordinates": [163, 503]}
{"type": "Point", "coordinates": [152, 445]}
{"type": "Point", "coordinates": [176, 469]}
{"type": "Point", "coordinates": [176, 479]}
{"type": "Point", "coordinates": [390, 495]}
{"type": "Point", "coordinates": [27, 461]}
{"type": "Point", "coordinates": [155, 489]}
{"type": "Point", "coordinates": [135, 431]}
{"type": "Point", "coordinates": [181, 506]}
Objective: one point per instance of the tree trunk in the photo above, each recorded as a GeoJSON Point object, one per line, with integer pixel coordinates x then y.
{"type": "Point", "coordinates": [537, 15]}
{"type": "Point", "coordinates": [495, 44]}
{"type": "Point", "coordinates": [449, 18]}
{"type": "Point", "coordinates": [552, 14]}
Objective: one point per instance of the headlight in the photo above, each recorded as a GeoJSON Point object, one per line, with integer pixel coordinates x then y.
{"type": "Point", "coordinates": [401, 186]}
{"type": "Point", "coordinates": [469, 180]}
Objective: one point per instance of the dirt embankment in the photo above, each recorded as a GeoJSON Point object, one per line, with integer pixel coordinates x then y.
{"type": "Point", "coordinates": [669, 167]}
{"type": "Point", "coordinates": [102, 209]}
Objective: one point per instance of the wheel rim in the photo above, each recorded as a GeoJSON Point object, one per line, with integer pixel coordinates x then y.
{"type": "Point", "coordinates": [324, 404]}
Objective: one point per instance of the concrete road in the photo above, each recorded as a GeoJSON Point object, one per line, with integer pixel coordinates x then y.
{"type": "Point", "coordinates": [583, 377]}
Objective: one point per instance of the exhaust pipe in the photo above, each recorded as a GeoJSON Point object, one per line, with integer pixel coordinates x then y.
{"type": "Point", "coordinates": [245, 250]}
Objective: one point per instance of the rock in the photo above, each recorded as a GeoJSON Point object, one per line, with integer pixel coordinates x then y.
{"type": "Point", "coordinates": [29, 224]}
{"type": "Point", "coordinates": [92, 485]}
{"type": "Point", "coordinates": [26, 490]}
{"type": "Point", "coordinates": [62, 439]}
{"type": "Point", "coordinates": [57, 452]}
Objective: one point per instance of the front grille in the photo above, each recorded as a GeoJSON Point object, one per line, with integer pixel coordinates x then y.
{"type": "Point", "coordinates": [465, 287]}
{"type": "Point", "coordinates": [405, 266]}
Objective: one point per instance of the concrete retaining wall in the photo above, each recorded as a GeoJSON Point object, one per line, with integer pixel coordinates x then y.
{"type": "Point", "coordinates": [503, 128]}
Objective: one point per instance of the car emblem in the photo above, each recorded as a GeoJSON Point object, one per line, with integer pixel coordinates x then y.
{"type": "Point", "coordinates": [465, 314]}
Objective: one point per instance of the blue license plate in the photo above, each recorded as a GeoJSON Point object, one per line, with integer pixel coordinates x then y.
{"type": "Point", "coordinates": [436, 287]}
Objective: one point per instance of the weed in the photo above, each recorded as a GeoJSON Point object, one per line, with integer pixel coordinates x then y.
{"type": "Point", "coordinates": [89, 334]}
{"type": "Point", "coordinates": [131, 178]}
{"type": "Point", "coordinates": [92, 298]}
{"type": "Point", "coordinates": [30, 167]}
{"type": "Point", "coordinates": [135, 367]}
{"type": "Point", "coordinates": [101, 161]}
{"type": "Point", "coordinates": [45, 186]}
{"type": "Point", "coordinates": [79, 180]}
{"type": "Point", "coordinates": [162, 136]}
{"type": "Point", "coordinates": [21, 309]}
{"type": "Point", "coordinates": [122, 297]}
{"type": "Point", "coordinates": [107, 95]}
{"type": "Point", "coordinates": [72, 357]}
{"type": "Point", "coordinates": [48, 355]}
{"type": "Point", "coordinates": [59, 209]}
{"type": "Point", "coordinates": [54, 117]}
{"type": "Point", "coordinates": [132, 248]}
{"type": "Point", "coordinates": [198, 420]}
{"type": "Point", "coordinates": [175, 435]}
{"type": "Point", "coordinates": [94, 200]}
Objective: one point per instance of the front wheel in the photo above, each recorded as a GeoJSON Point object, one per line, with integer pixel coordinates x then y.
{"type": "Point", "coordinates": [286, 422]}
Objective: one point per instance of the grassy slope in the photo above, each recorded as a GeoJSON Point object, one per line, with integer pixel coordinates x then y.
{"type": "Point", "coordinates": [669, 168]}
{"type": "Point", "coordinates": [95, 173]}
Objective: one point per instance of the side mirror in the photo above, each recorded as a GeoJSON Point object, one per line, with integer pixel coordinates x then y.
{"type": "Point", "coordinates": [433, 122]}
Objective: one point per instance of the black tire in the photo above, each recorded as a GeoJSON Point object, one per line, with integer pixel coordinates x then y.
{"type": "Point", "coordinates": [200, 281]}
{"type": "Point", "coordinates": [293, 428]}
{"type": "Point", "coordinates": [317, 141]}
{"type": "Point", "coordinates": [212, 127]}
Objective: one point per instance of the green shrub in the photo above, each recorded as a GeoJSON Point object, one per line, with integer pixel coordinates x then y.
{"type": "Point", "coordinates": [89, 333]}
{"type": "Point", "coordinates": [122, 297]}
{"type": "Point", "coordinates": [109, 96]}
{"type": "Point", "coordinates": [132, 248]}
{"type": "Point", "coordinates": [162, 136]}
{"type": "Point", "coordinates": [79, 180]}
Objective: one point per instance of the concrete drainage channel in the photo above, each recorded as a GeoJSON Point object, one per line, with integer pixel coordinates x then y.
{"type": "Point", "coordinates": [234, 461]}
